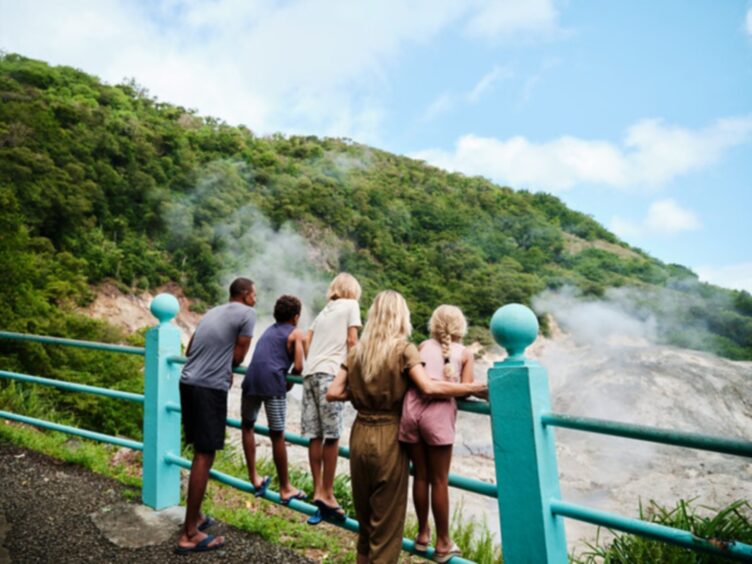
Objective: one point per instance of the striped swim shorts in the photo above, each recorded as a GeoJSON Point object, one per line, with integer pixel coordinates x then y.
{"type": "Point", "coordinates": [275, 408]}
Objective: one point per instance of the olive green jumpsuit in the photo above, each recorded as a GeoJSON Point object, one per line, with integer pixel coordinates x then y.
{"type": "Point", "coordinates": [379, 466]}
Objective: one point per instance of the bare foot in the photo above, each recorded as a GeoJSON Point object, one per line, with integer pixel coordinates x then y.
{"type": "Point", "coordinates": [424, 537]}
{"type": "Point", "coordinates": [199, 542]}
{"type": "Point", "coordinates": [291, 493]}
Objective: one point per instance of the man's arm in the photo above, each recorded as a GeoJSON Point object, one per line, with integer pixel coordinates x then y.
{"type": "Point", "coordinates": [242, 344]}
{"type": "Point", "coordinates": [188, 348]}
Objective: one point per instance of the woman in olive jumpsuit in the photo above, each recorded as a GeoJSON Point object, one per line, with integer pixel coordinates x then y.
{"type": "Point", "coordinates": [375, 378]}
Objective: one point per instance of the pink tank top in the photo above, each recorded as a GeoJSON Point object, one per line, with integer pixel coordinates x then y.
{"type": "Point", "coordinates": [430, 353]}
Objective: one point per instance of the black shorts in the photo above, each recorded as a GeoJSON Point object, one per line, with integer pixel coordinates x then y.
{"type": "Point", "coordinates": [204, 413]}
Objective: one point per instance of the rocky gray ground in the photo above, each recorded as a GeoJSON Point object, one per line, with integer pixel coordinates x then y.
{"type": "Point", "coordinates": [52, 511]}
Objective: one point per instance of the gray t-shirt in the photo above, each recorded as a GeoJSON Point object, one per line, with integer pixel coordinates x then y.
{"type": "Point", "coordinates": [210, 360]}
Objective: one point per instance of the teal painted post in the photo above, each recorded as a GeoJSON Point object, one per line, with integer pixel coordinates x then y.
{"type": "Point", "coordinates": [524, 449]}
{"type": "Point", "coordinates": [161, 480]}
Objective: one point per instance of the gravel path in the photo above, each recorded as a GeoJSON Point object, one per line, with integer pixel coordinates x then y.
{"type": "Point", "coordinates": [46, 509]}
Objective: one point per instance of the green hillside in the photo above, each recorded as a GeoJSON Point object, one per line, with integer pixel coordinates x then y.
{"type": "Point", "coordinates": [105, 182]}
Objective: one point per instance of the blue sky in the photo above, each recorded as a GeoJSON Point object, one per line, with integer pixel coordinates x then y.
{"type": "Point", "coordinates": [638, 113]}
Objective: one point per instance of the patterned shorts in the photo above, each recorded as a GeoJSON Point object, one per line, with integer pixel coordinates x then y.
{"type": "Point", "coordinates": [275, 407]}
{"type": "Point", "coordinates": [320, 419]}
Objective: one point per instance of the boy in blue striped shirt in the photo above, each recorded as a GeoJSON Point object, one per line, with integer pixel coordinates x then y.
{"type": "Point", "coordinates": [265, 383]}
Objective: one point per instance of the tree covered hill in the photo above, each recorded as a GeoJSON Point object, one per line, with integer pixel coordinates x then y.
{"type": "Point", "coordinates": [105, 182]}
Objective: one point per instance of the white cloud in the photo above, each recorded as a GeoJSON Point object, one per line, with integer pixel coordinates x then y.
{"type": "Point", "coordinates": [748, 22]}
{"type": "Point", "coordinates": [664, 217]}
{"type": "Point", "coordinates": [444, 103]}
{"type": "Point", "coordinates": [447, 101]}
{"type": "Point", "coordinates": [503, 17]}
{"type": "Point", "coordinates": [651, 154]}
{"type": "Point", "coordinates": [735, 276]}
{"type": "Point", "coordinates": [487, 83]}
{"type": "Point", "coordinates": [306, 65]}
{"type": "Point", "coordinates": [533, 81]}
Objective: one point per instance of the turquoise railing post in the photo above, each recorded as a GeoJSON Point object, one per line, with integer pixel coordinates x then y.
{"type": "Point", "coordinates": [524, 449]}
{"type": "Point", "coordinates": [161, 479]}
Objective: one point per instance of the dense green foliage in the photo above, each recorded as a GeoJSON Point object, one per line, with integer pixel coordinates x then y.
{"type": "Point", "coordinates": [732, 523]}
{"type": "Point", "coordinates": [104, 182]}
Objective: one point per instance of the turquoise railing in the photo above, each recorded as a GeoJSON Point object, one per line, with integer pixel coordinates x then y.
{"type": "Point", "coordinates": [530, 506]}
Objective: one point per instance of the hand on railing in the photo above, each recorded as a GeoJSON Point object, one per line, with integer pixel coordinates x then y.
{"type": "Point", "coordinates": [482, 390]}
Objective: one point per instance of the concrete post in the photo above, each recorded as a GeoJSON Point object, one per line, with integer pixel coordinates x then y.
{"type": "Point", "coordinates": [524, 449]}
{"type": "Point", "coordinates": [161, 480]}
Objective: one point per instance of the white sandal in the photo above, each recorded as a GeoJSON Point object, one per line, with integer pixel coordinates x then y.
{"type": "Point", "coordinates": [420, 546]}
{"type": "Point", "coordinates": [442, 557]}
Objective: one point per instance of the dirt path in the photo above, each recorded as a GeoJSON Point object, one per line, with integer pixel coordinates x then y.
{"type": "Point", "coordinates": [52, 511]}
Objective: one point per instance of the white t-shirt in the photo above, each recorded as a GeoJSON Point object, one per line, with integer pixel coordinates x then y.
{"type": "Point", "coordinates": [329, 344]}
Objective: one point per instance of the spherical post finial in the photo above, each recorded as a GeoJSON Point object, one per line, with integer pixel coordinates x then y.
{"type": "Point", "coordinates": [514, 327]}
{"type": "Point", "coordinates": [164, 307]}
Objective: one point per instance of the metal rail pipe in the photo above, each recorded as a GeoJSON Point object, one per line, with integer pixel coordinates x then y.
{"type": "Point", "coordinates": [295, 504]}
{"type": "Point", "coordinates": [72, 386]}
{"type": "Point", "coordinates": [124, 349]}
{"type": "Point", "coordinates": [731, 549]}
{"type": "Point", "coordinates": [735, 447]}
{"type": "Point", "coordinates": [470, 406]}
{"type": "Point", "coordinates": [128, 443]}
{"type": "Point", "coordinates": [455, 480]}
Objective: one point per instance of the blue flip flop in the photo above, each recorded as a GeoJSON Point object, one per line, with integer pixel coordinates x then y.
{"type": "Point", "coordinates": [261, 490]}
{"type": "Point", "coordinates": [330, 513]}
{"type": "Point", "coordinates": [316, 518]}
{"type": "Point", "coordinates": [208, 522]}
{"type": "Point", "coordinates": [301, 495]}
{"type": "Point", "coordinates": [204, 545]}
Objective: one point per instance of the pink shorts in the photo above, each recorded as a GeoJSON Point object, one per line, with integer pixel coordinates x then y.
{"type": "Point", "coordinates": [428, 420]}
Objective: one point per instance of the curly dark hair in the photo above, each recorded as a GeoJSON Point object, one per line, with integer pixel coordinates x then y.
{"type": "Point", "coordinates": [286, 308]}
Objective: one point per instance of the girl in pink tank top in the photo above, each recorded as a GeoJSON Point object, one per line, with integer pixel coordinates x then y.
{"type": "Point", "coordinates": [427, 426]}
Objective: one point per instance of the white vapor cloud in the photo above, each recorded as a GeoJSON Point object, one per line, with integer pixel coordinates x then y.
{"type": "Point", "coordinates": [664, 217]}
{"type": "Point", "coordinates": [300, 66]}
{"type": "Point", "coordinates": [748, 22]}
{"type": "Point", "coordinates": [734, 276]}
{"type": "Point", "coordinates": [651, 154]}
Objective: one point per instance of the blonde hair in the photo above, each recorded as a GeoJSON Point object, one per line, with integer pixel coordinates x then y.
{"type": "Point", "coordinates": [387, 325]}
{"type": "Point", "coordinates": [343, 286]}
{"type": "Point", "coordinates": [447, 323]}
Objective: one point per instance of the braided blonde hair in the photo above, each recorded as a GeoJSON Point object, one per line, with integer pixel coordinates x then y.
{"type": "Point", "coordinates": [387, 326]}
{"type": "Point", "coordinates": [447, 323]}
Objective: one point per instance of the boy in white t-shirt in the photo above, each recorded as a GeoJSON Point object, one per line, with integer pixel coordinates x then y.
{"type": "Point", "coordinates": [332, 334]}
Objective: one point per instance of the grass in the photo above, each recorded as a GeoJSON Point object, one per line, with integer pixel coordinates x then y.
{"type": "Point", "coordinates": [471, 535]}
{"type": "Point", "coordinates": [96, 457]}
{"type": "Point", "coordinates": [733, 522]}
{"type": "Point", "coordinates": [275, 524]}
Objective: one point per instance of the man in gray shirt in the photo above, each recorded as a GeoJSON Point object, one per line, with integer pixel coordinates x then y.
{"type": "Point", "coordinates": [221, 341]}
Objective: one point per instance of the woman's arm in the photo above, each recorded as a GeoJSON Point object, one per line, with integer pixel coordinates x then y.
{"type": "Point", "coordinates": [468, 360]}
{"type": "Point", "coordinates": [307, 342]}
{"type": "Point", "coordinates": [443, 389]}
{"type": "Point", "coordinates": [338, 388]}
